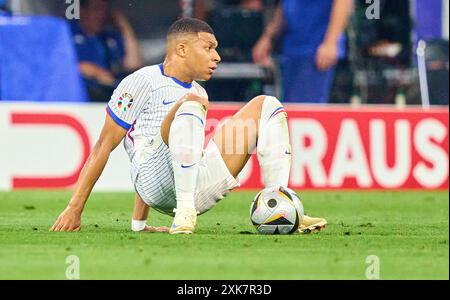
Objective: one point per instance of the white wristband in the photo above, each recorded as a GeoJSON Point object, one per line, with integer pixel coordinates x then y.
{"type": "Point", "coordinates": [137, 226]}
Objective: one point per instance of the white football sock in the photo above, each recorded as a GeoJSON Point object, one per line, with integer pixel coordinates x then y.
{"type": "Point", "coordinates": [274, 148]}
{"type": "Point", "coordinates": [186, 139]}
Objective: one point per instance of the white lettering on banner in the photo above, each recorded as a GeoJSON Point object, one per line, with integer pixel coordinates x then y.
{"type": "Point", "coordinates": [308, 159]}
{"type": "Point", "coordinates": [395, 176]}
{"type": "Point", "coordinates": [426, 131]}
{"type": "Point", "coordinates": [349, 160]}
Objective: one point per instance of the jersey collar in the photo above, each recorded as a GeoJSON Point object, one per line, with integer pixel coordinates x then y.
{"type": "Point", "coordinates": [183, 84]}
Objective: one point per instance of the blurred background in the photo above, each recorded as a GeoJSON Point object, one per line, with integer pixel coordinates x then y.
{"type": "Point", "coordinates": [365, 84]}
{"type": "Point", "coordinates": [370, 148]}
{"type": "Point", "coordinates": [383, 52]}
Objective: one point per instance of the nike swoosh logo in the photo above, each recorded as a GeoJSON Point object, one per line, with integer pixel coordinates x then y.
{"type": "Point", "coordinates": [167, 102]}
{"type": "Point", "coordinates": [287, 152]}
{"type": "Point", "coordinates": [187, 166]}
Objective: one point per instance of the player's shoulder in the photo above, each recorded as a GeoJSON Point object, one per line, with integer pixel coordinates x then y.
{"type": "Point", "coordinates": [148, 72]}
{"type": "Point", "coordinates": [143, 78]}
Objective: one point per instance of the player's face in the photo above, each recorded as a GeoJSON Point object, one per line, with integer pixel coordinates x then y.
{"type": "Point", "coordinates": [203, 57]}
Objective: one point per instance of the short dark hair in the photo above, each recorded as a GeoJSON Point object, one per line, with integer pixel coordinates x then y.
{"type": "Point", "coordinates": [189, 25]}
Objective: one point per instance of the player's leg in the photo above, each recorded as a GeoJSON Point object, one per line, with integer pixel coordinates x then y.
{"type": "Point", "coordinates": [262, 125]}
{"type": "Point", "coordinates": [183, 131]}
{"type": "Point", "coordinates": [269, 134]}
{"type": "Point", "coordinates": [167, 122]}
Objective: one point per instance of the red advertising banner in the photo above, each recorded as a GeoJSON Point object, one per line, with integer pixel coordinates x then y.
{"type": "Point", "coordinates": [369, 148]}
{"type": "Point", "coordinates": [332, 147]}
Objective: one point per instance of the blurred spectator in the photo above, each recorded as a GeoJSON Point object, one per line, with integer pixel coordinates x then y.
{"type": "Point", "coordinates": [3, 9]}
{"type": "Point", "coordinates": [106, 46]}
{"type": "Point", "coordinates": [203, 7]}
{"type": "Point", "coordinates": [237, 24]}
{"type": "Point", "coordinates": [387, 38]}
{"type": "Point", "coordinates": [255, 5]}
{"type": "Point", "coordinates": [312, 38]}
{"type": "Point", "coordinates": [381, 52]}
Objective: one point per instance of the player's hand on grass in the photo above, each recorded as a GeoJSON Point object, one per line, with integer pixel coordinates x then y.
{"type": "Point", "coordinates": [153, 229]}
{"type": "Point", "coordinates": [68, 220]}
{"type": "Point", "coordinates": [141, 226]}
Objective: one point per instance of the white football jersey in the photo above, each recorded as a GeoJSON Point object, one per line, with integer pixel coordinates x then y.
{"type": "Point", "coordinates": [141, 102]}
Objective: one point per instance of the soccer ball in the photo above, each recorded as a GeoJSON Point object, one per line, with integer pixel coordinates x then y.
{"type": "Point", "coordinates": [276, 211]}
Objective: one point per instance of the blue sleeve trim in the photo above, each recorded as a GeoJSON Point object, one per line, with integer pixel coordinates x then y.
{"type": "Point", "coordinates": [116, 119]}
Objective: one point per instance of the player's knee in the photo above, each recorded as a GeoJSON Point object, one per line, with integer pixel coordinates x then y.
{"type": "Point", "coordinates": [258, 102]}
{"type": "Point", "coordinates": [187, 132]}
{"type": "Point", "coordinates": [272, 101]}
{"type": "Point", "coordinates": [194, 109]}
{"type": "Point", "coordinates": [197, 99]}
{"type": "Point", "coordinates": [269, 106]}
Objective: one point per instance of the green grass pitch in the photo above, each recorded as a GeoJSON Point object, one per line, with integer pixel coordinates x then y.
{"type": "Point", "coordinates": [408, 231]}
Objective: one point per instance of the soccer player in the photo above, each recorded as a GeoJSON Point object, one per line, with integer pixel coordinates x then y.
{"type": "Point", "coordinates": [160, 113]}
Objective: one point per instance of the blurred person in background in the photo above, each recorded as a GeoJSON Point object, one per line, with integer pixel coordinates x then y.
{"type": "Point", "coordinates": [3, 9]}
{"type": "Point", "coordinates": [313, 41]}
{"type": "Point", "coordinates": [106, 46]}
{"type": "Point", "coordinates": [255, 5]}
{"type": "Point", "coordinates": [203, 7]}
{"type": "Point", "coordinates": [388, 38]}
{"type": "Point", "coordinates": [238, 24]}
{"type": "Point", "coordinates": [380, 47]}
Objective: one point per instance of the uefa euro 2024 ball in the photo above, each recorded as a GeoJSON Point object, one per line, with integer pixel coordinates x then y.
{"type": "Point", "coordinates": [276, 211]}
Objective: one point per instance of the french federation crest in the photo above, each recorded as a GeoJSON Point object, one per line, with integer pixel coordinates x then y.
{"type": "Point", "coordinates": [125, 102]}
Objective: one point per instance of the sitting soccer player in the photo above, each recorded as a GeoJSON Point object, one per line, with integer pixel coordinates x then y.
{"type": "Point", "coordinates": [160, 111]}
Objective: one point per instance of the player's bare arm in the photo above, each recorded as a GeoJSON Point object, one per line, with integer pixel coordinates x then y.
{"type": "Point", "coordinates": [110, 137]}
